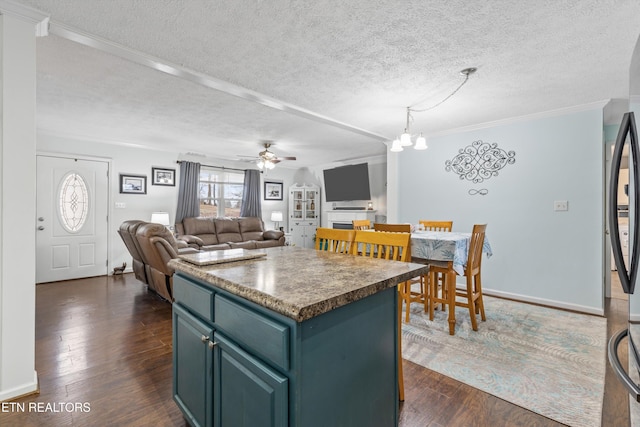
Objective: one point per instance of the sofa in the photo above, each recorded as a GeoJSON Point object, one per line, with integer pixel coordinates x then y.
{"type": "Point", "coordinates": [211, 234]}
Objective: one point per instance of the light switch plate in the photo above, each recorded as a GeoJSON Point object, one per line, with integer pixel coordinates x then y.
{"type": "Point", "coordinates": [560, 205]}
{"type": "Point", "coordinates": [120, 205]}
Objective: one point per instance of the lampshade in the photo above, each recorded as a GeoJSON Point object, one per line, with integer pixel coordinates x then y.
{"type": "Point", "coordinates": [405, 139]}
{"type": "Point", "coordinates": [276, 216]}
{"type": "Point", "coordinates": [396, 146]}
{"type": "Point", "coordinates": [421, 143]}
{"type": "Point", "coordinates": [160, 218]}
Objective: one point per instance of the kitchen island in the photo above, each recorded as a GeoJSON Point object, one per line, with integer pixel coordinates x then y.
{"type": "Point", "coordinates": [297, 337]}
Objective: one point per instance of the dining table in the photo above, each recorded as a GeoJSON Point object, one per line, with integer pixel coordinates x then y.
{"type": "Point", "coordinates": [445, 247]}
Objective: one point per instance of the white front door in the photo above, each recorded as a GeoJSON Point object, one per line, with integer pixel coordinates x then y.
{"type": "Point", "coordinates": [71, 221]}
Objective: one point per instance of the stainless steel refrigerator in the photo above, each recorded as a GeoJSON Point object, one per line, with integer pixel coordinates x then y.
{"type": "Point", "coordinates": [628, 274]}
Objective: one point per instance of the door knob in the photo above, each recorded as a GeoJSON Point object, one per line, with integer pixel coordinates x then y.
{"type": "Point", "coordinates": [40, 219]}
{"type": "Point", "coordinates": [41, 228]}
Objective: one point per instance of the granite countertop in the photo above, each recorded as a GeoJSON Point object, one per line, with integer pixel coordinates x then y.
{"type": "Point", "coordinates": [302, 283]}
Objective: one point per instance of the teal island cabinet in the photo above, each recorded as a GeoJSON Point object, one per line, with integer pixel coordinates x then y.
{"type": "Point", "coordinates": [296, 337]}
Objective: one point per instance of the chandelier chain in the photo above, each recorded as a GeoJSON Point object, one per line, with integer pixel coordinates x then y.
{"type": "Point", "coordinates": [410, 108]}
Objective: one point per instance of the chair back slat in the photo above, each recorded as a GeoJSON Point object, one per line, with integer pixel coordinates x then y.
{"type": "Point", "coordinates": [334, 240]}
{"type": "Point", "coordinates": [437, 225]}
{"type": "Point", "coordinates": [474, 258]}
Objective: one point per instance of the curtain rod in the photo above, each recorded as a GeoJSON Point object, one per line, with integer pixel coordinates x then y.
{"type": "Point", "coordinates": [216, 167]}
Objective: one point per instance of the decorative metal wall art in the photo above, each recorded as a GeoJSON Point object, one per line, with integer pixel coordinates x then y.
{"type": "Point", "coordinates": [482, 192]}
{"type": "Point", "coordinates": [480, 161]}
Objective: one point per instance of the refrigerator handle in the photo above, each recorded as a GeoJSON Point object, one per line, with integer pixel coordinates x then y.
{"type": "Point", "coordinates": [627, 128]}
{"type": "Point", "coordinates": [614, 361]}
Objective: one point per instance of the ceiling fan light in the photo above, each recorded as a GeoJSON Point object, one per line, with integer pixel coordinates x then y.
{"type": "Point", "coordinates": [421, 143]}
{"type": "Point", "coordinates": [405, 139]}
{"type": "Point", "coordinates": [269, 165]}
{"type": "Point", "coordinates": [260, 163]}
{"type": "Point", "coordinates": [396, 146]}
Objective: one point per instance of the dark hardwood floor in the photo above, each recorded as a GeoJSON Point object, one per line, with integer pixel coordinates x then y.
{"type": "Point", "coordinates": [105, 342]}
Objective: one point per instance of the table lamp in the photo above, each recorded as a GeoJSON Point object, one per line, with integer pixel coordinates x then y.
{"type": "Point", "coordinates": [160, 218]}
{"type": "Point", "coordinates": [276, 217]}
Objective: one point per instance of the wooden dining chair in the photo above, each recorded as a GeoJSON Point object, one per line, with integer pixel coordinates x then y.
{"type": "Point", "coordinates": [361, 224]}
{"type": "Point", "coordinates": [436, 225]}
{"type": "Point", "coordinates": [334, 240]}
{"type": "Point", "coordinates": [393, 228]}
{"type": "Point", "coordinates": [390, 246]}
{"type": "Point", "coordinates": [424, 280]}
{"type": "Point", "coordinates": [408, 295]}
{"type": "Point", "coordinates": [471, 294]}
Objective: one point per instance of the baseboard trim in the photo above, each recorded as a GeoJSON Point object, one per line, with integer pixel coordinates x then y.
{"type": "Point", "coordinates": [22, 390]}
{"type": "Point", "coordinates": [544, 302]}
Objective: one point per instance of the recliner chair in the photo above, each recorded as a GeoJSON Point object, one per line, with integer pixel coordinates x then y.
{"type": "Point", "coordinates": [158, 247]}
{"type": "Point", "coordinates": [127, 231]}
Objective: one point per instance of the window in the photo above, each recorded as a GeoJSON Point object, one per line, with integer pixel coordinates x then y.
{"type": "Point", "coordinates": [220, 193]}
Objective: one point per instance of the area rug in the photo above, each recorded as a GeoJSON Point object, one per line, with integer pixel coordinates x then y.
{"type": "Point", "coordinates": [548, 361]}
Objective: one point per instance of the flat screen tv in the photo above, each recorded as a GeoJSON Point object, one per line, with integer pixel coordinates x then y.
{"type": "Point", "coordinates": [347, 183]}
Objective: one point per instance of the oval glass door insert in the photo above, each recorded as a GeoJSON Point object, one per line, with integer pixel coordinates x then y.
{"type": "Point", "coordinates": [73, 202]}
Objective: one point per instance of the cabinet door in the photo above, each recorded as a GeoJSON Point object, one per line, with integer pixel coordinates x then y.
{"type": "Point", "coordinates": [247, 392]}
{"type": "Point", "coordinates": [309, 234]}
{"type": "Point", "coordinates": [192, 367]}
{"type": "Point", "coordinates": [297, 235]}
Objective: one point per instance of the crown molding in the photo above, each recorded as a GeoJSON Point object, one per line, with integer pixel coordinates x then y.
{"type": "Point", "coordinates": [524, 118]}
{"type": "Point", "coordinates": [83, 138]}
{"type": "Point", "coordinates": [27, 14]}
{"type": "Point", "coordinates": [193, 76]}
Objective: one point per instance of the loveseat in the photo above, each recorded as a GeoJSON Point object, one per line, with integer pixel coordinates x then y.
{"type": "Point", "coordinates": [211, 234]}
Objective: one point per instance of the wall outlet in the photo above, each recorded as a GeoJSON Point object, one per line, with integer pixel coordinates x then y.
{"type": "Point", "coordinates": [561, 205]}
{"type": "Point", "coordinates": [120, 205]}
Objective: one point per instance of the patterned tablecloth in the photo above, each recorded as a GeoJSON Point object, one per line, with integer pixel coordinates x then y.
{"type": "Point", "coordinates": [445, 246]}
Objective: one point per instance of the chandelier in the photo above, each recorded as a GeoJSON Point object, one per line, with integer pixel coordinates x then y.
{"type": "Point", "coordinates": [398, 144]}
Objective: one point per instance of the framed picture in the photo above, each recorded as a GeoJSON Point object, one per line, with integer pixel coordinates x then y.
{"type": "Point", "coordinates": [133, 184]}
{"type": "Point", "coordinates": [272, 190]}
{"type": "Point", "coordinates": [161, 176]}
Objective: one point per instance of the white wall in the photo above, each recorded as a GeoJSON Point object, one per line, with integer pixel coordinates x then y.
{"type": "Point", "coordinates": [539, 255]}
{"type": "Point", "coordinates": [17, 207]}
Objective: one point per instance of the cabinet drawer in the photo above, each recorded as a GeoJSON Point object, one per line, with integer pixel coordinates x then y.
{"type": "Point", "coordinates": [254, 331]}
{"type": "Point", "coordinates": [197, 298]}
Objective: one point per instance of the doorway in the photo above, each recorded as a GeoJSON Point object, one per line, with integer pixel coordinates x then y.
{"type": "Point", "coordinates": [71, 218]}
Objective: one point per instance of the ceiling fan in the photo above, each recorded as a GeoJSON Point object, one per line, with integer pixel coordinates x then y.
{"type": "Point", "coordinates": [267, 159]}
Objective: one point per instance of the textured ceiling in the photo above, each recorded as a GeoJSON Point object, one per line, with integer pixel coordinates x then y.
{"type": "Point", "coordinates": [359, 62]}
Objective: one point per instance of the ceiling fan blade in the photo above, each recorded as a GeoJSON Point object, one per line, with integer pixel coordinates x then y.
{"type": "Point", "coordinates": [287, 158]}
